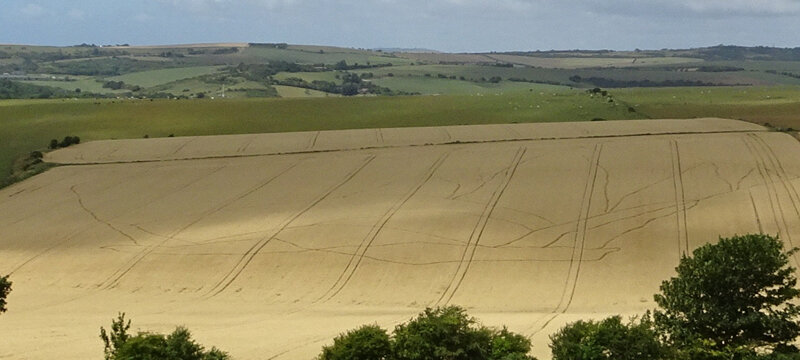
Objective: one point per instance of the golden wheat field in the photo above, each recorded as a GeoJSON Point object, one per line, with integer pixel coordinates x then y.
{"type": "Point", "coordinates": [268, 246]}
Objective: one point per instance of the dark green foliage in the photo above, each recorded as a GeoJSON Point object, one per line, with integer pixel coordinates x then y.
{"type": "Point", "coordinates": [607, 339]}
{"type": "Point", "coordinates": [178, 345]}
{"type": "Point", "coordinates": [368, 342]}
{"type": "Point", "coordinates": [18, 90]}
{"type": "Point", "coordinates": [449, 333]}
{"type": "Point", "coordinates": [69, 140]}
{"type": "Point", "coordinates": [620, 83]}
{"type": "Point", "coordinates": [104, 67]}
{"type": "Point", "coordinates": [114, 85]}
{"type": "Point", "coordinates": [507, 345]}
{"type": "Point", "coordinates": [442, 333]}
{"type": "Point", "coordinates": [5, 288]}
{"type": "Point", "coordinates": [118, 336]}
{"type": "Point", "coordinates": [143, 346]}
{"type": "Point", "coordinates": [737, 294]}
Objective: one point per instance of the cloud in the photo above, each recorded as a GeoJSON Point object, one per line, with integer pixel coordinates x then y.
{"type": "Point", "coordinates": [32, 10]}
{"type": "Point", "coordinates": [76, 14]}
{"type": "Point", "coordinates": [221, 5]}
{"type": "Point", "coordinates": [705, 8]}
{"type": "Point", "coordinates": [771, 7]}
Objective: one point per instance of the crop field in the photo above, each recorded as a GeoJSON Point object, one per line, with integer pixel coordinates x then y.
{"type": "Point", "coordinates": [270, 245]}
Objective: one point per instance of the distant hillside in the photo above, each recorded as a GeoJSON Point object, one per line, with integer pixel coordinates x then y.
{"type": "Point", "coordinates": [236, 70]}
{"type": "Point", "coordinates": [406, 50]}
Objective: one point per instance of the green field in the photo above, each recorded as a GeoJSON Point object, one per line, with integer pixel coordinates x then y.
{"type": "Point", "coordinates": [29, 124]}
{"type": "Point", "coordinates": [431, 85]}
{"type": "Point", "coordinates": [319, 55]}
{"type": "Point", "coordinates": [85, 83]}
{"type": "Point", "coordinates": [309, 76]}
{"type": "Point", "coordinates": [152, 78]}
{"type": "Point", "coordinates": [296, 92]}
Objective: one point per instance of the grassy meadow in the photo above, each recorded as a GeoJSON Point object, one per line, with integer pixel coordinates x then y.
{"type": "Point", "coordinates": [27, 125]}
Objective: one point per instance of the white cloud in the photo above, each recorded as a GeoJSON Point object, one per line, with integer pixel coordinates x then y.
{"type": "Point", "coordinates": [32, 10]}
{"type": "Point", "coordinates": [778, 7]}
{"type": "Point", "coordinates": [710, 8]}
{"type": "Point", "coordinates": [216, 5]}
{"type": "Point", "coordinates": [76, 14]}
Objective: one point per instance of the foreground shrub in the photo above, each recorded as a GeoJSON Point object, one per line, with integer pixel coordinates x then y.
{"type": "Point", "coordinates": [607, 339]}
{"type": "Point", "coordinates": [507, 345]}
{"type": "Point", "coordinates": [368, 342]}
{"type": "Point", "coordinates": [440, 333]}
{"type": "Point", "coordinates": [736, 296]}
{"type": "Point", "coordinates": [178, 345]}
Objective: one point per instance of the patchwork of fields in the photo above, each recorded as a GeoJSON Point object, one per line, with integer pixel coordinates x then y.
{"type": "Point", "coordinates": [270, 245]}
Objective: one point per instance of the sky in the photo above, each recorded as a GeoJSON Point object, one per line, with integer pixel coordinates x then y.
{"type": "Point", "coordinates": [445, 25]}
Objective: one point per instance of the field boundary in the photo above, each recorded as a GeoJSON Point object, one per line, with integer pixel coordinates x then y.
{"type": "Point", "coordinates": [456, 142]}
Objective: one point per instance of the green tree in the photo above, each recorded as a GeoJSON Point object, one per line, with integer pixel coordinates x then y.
{"type": "Point", "coordinates": [113, 341]}
{"type": "Point", "coordinates": [738, 294]}
{"type": "Point", "coordinates": [178, 345]}
{"type": "Point", "coordinates": [5, 288]}
{"type": "Point", "coordinates": [368, 342]}
{"type": "Point", "coordinates": [608, 339]}
{"type": "Point", "coordinates": [507, 345]}
{"type": "Point", "coordinates": [442, 333]}
{"type": "Point", "coordinates": [144, 346]}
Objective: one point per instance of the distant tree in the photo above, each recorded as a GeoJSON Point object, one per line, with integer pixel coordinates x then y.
{"type": "Point", "coordinates": [53, 144]}
{"type": "Point", "coordinates": [350, 89]}
{"type": "Point", "coordinates": [341, 65]}
{"type": "Point", "coordinates": [368, 342]}
{"type": "Point", "coordinates": [5, 288]}
{"type": "Point", "coordinates": [69, 140]}
{"type": "Point", "coordinates": [608, 339]}
{"type": "Point", "coordinates": [738, 294]}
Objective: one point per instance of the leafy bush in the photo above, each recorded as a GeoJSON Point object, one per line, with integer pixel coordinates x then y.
{"type": "Point", "coordinates": [607, 339]}
{"type": "Point", "coordinates": [507, 345]}
{"type": "Point", "coordinates": [178, 345]}
{"type": "Point", "coordinates": [440, 333]}
{"type": "Point", "coordinates": [68, 140]}
{"type": "Point", "coordinates": [116, 338]}
{"type": "Point", "coordinates": [368, 342]}
{"type": "Point", "coordinates": [738, 293]}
